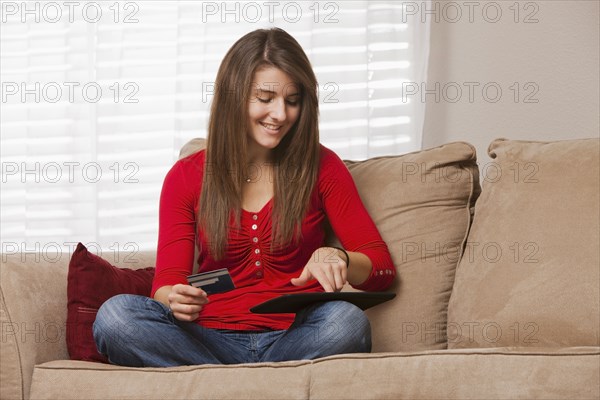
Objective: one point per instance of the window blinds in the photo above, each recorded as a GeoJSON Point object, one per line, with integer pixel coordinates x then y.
{"type": "Point", "coordinates": [98, 98]}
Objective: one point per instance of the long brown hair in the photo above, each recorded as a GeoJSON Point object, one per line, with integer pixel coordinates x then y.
{"type": "Point", "coordinates": [296, 158]}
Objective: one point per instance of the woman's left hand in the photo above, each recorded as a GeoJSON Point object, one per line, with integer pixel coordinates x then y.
{"type": "Point", "coordinates": [327, 267]}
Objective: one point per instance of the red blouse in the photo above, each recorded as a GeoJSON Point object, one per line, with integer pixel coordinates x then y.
{"type": "Point", "coordinates": [258, 273]}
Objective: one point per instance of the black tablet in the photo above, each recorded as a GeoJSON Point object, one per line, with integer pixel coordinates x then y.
{"type": "Point", "coordinates": [292, 303]}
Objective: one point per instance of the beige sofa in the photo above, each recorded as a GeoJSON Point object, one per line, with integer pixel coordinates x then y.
{"type": "Point", "coordinates": [497, 298]}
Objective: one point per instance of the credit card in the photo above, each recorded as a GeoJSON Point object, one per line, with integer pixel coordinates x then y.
{"type": "Point", "coordinates": [217, 281]}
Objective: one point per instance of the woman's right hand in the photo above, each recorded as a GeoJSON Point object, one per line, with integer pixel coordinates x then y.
{"type": "Point", "coordinates": [186, 301]}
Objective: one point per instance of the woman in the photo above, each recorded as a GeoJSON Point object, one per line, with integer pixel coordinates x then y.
{"type": "Point", "coordinates": [255, 203]}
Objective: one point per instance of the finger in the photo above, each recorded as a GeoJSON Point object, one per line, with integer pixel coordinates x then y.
{"type": "Point", "coordinates": [186, 317]}
{"type": "Point", "coordinates": [189, 290]}
{"type": "Point", "coordinates": [323, 280]}
{"type": "Point", "coordinates": [181, 295]}
{"type": "Point", "coordinates": [185, 299]}
{"type": "Point", "coordinates": [345, 274]}
{"type": "Point", "coordinates": [302, 279]}
{"type": "Point", "coordinates": [181, 304]}
{"type": "Point", "coordinates": [188, 309]}
{"type": "Point", "coordinates": [330, 274]}
{"type": "Point", "coordinates": [340, 280]}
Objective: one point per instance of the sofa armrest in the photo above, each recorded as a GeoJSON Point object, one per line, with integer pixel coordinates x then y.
{"type": "Point", "coordinates": [33, 315]}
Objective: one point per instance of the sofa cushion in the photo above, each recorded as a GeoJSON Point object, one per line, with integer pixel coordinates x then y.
{"type": "Point", "coordinates": [82, 380]}
{"type": "Point", "coordinates": [421, 203]}
{"type": "Point", "coordinates": [91, 281]}
{"type": "Point", "coordinates": [503, 373]}
{"type": "Point", "coordinates": [530, 272]}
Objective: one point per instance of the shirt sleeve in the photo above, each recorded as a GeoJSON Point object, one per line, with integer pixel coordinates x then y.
{"type": "Point", "coordinates": [176, 230]}
{"type": "Point", "coordinates": [351, 222]}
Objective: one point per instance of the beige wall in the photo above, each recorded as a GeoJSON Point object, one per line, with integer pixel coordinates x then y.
{"type": "Point", "coordinates": [558, 55]}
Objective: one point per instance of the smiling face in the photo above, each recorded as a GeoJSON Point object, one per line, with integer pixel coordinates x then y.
{"type": "Point", "coordinates": [274, 107]}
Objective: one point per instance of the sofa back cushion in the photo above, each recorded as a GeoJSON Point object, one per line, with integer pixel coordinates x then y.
{"type": "Point", "coordinates": [421, 203]}
{"type": "Point", "coordinates": [530, 272]}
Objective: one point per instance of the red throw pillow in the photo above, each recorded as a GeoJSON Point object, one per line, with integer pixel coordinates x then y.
{"type": "Point", "coordinates": [90, 282]}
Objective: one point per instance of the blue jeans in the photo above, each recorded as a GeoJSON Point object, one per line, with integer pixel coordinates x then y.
{"type": "Point", "coordinates": [138, 331]}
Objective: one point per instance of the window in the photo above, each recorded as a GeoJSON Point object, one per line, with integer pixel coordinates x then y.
{"type": "Point", "coordinates": [98, 98]}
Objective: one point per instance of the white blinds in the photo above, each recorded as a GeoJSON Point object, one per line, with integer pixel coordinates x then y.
{"type": "Point", "coordinates": [98, 98]}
